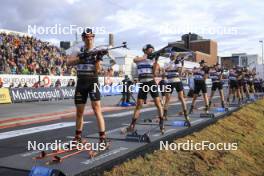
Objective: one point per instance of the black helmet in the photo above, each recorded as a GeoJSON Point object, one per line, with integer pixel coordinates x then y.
{"type": "Point", "coordinates": [146, 47]}
{"type": "Point", "coordinates": [87, 31]}
{"type": "Point", "coordinates": [202, 62]}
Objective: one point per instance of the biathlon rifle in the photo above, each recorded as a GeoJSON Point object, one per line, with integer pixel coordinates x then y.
{"type": "Point", "coordinates": [100, 52]}
{"type": "Point", "coordinates": [162, 52]}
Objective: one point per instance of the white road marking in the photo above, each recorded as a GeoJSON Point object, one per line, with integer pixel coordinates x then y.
{"type": "Point", "coordinates": [120, 114]}
{"type": "Point", "coordinates": [102, 156]}
{"type": "Point", "coordinates": [142, 110]}
{"type": "Point", "coordinates": [15, 133]}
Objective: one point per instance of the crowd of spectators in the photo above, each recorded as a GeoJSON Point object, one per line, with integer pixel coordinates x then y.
{"type": "Point", "coordinates": [29, 56]}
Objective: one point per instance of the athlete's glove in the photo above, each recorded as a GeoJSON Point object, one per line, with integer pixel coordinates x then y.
{"type": "Point", "coordinates": [153, 56]}
{"type": "Point", "coordinates": [206, 69]}
{"type": "Point", "coordinates": [82, 56]}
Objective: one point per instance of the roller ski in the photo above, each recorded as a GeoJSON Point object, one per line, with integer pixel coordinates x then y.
{"type": "Point", "coordinates": [106, 143]}
{"type": "Point", "coordinates": [134, 136]}
{"type": "Point", "coordinates": [44, 154]}
{"type": "Point", "coordinates": [60, 158]}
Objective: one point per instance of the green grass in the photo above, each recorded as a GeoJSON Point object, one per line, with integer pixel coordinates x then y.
{"type": "Point", "coordinates": [245, 127]}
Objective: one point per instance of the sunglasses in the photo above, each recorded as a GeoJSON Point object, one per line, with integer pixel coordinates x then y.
{"type": "Point", "coordinates": [89, 35]}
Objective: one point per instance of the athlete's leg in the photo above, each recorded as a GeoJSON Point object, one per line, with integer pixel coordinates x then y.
{"type": "Point", "coordinates": [79, 120]}
{"type": "Point", "coordinates": [182, 100]}
{"type": "Point", "coordinates": [159, 107]}
{"type": "Point", "coordinates": [229, 94]}
{"type": "Point", "coordinates": [211, 97]}
{"type": "Point", "coordinates": [238, 92]}
{"type": "Point", "coordinates": [96, 105]}
{"type": "Point", "coordinates": [193, 102]}
{"type": "Point", "coordinates": [205, 96]}
{"type": "Point", "coordinates": [246, 87]}
{"type": "Point", "coordinates": [136, 114]}
{"type": "Point", "coordinates": [184, 107]}
{"type": "Point", "coordinates": [166, 105]}
{"type": "Point", "coordinates": [222, 96]}
{"type": "Point", "coordinates": [160, 112]}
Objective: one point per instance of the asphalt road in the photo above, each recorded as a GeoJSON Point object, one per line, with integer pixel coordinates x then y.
{"type": "Point", "coordinates": [15, 140]}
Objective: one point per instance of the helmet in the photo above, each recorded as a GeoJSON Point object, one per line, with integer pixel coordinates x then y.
{"type": "Point", "coordinates": [87, 31]}
{"type": "Point", "coordinates": [146, 47]}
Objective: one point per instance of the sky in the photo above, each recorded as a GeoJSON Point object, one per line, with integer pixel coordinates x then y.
{"type": "Point", "coordinates": [237, 25]}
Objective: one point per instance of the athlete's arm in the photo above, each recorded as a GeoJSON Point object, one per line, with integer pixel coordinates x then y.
{"type": "Point", "coordinates": [72, 60]}
{"type": "Point", "coordinates": [206, 71]}
{"type": "Point", "coordinates": [139, 59]}
{"type": "Point", "coordinates": [98, 66]}
{"type": "Point", "coordinates": [156, 68]}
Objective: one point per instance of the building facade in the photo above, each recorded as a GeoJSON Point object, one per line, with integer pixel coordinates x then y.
{"type": "Point", "coordinates": [204, 49]}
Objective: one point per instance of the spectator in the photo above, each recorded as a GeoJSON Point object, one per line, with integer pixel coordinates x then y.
{"type": "Point", "coordinates": [69, 83]}
{"type": "Point", "coordinates": [25, 85]}
{"type": "Point", "coordinates": [58, 83]}
{"type": "Point", "coordinates": [52, 71]}
{"type": "Point", "coordinates": [73, 82]}
{"type": "Point", "coordinates": [11, 85]}
{"type": "Point", "coordinates": [19, 85]}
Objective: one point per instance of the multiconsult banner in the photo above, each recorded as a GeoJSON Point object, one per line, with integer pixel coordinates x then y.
{"type": "Point", "coordinates": [4, 96]}
{"type": "Point", "coordinates": [41, 94]}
